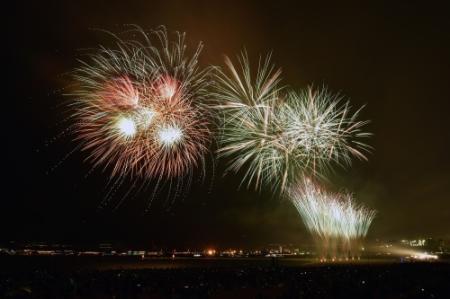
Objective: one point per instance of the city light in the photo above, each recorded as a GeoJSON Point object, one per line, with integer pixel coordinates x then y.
{"type": "Point", "coordinates": [424, 256]}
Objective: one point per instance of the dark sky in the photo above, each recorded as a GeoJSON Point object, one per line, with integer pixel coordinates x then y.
{"type": "Point", "coordinates": [395, 58]}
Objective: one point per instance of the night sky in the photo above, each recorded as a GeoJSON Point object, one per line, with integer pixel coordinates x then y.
{"type": "Point", "coordinates": [394, 58]}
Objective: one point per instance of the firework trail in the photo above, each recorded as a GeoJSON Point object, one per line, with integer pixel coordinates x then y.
{"type": "Point", "coordinates": [140, 108]}
{"type": "Point", "coordinates": [337, 223]}
{"type": "Point", "coordinates": [278, 136]}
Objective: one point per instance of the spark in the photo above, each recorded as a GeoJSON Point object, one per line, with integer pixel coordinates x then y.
{"type": "Point", "coordinates": [126, 126]}
{"type": "Point", "coordinates": [170, 135]}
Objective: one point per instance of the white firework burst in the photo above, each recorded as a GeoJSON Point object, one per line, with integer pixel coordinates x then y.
{"type": "Point", "coordinates": [280, 137]}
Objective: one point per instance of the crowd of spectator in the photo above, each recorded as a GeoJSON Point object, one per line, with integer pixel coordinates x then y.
{"type": "Point", "coordinates": [409, 280]}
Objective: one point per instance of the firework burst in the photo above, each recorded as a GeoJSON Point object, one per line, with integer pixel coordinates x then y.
{"type": "Point", "coordinates": [250, 129]}
{"type": "Point", "coordinates": [140, 107]}
{"type": "Point", "coordinates": [337, 223]}
{"type": "Point", "coordinates": [322, 129]}
{"type": "Point", "coordinates": [279, 137]}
